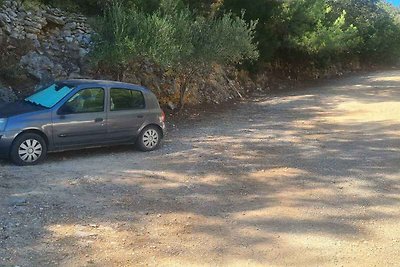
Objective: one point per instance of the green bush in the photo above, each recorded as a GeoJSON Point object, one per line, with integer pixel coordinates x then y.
{"type": "Point", "coordinates": [378, 24]}
{"type": "Point", "coordinates": [324, 31]}
{"type": "Point", "coordinates": [318, 33]}
{"type": "Point", "coordinates": [314, 32]}
{"type": "Point", "coordinates": [173, 38]}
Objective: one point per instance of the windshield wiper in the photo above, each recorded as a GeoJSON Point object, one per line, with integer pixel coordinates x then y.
{"type": "Point", "coordinates": [36, 104]}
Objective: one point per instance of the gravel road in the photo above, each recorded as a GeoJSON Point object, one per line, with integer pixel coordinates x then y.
{"type": "Point", "coordinates": [303, 178]}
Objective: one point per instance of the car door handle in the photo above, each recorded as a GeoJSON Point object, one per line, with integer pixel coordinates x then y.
{"type": "Point", "coordinates": [99, 120]}
{"type": "Point", "coordinates": [140, 116]}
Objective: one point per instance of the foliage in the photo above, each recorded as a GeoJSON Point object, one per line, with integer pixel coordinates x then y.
{"type": "Point", "coordinates": [323, 31]}
{"type": "Point", "coordinates": [313, 30]}
{"type": "Point", "coordinates": [266, 13]}
{"type": "Point", "coordinates": [174, 38]}
{"type": "Point", "coordinates": [318, 32]}
{"type": "Point", "coordinates": [378, 26]}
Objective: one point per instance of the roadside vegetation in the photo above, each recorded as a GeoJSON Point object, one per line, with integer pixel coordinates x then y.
{"type": "Point", "coordinates": [317, 31]}
{"type": "Point", "coordinates": [186, 37]}
{"type": "Point", "coordinates": [172, 37]}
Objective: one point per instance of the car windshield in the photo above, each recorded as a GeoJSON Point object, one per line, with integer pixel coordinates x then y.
{"type": "Point", "coordinates": [49, 96]}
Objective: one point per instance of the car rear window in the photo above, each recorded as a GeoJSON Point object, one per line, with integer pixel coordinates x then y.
{"type": "Point", "coordinates": [125, 99]}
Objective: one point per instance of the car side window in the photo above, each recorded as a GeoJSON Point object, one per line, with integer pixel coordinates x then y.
{"type": "Point", "coordinates": [85, 101]}
{"type": "Point", "coordinates": [125, 99]}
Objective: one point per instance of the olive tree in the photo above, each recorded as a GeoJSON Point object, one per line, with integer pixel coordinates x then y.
{"type": "Point", "coordinates": [173, 38]}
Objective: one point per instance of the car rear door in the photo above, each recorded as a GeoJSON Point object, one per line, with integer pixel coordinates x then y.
{"type": "Point", "coordinates": [82, 120]}
{"type": "Point", "coordinates": [126, 114]}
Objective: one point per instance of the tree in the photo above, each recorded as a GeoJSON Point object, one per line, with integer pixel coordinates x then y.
{"type": "Point", "coordinates": [378, 26]}
{"type": "Point", "coordinates": [173, 38]}
{"type": "Point", "coordinates": [312, 30]}
{"type": "Point", "coordinates": [266, 12]}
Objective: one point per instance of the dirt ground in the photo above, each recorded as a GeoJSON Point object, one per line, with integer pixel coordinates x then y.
{"type": "Point", "coordinates": [303, 178]}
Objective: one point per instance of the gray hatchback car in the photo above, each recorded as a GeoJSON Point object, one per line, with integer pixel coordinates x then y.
{"type": "Point", "coordinates": [78, 114]}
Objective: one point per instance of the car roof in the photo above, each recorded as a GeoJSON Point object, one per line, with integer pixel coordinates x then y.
{"type": "Point", "coordinates": [103, 83]}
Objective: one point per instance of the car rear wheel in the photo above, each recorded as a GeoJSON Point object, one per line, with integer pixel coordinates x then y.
{"type": "Point", "coordinates": [149, 139]}
{"type": "Point", "coordinates": [28, 149]}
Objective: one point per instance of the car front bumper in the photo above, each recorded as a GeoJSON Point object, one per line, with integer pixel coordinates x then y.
{"type": "Point", "coordinates": [6, 140]}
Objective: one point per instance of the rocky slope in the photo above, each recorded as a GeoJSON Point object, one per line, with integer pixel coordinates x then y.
{"type": "Point", "coordinates": [58, 41]}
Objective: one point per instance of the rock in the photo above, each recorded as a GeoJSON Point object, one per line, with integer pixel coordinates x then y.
{"type": "Point", "coordinates": [83, 52]}
{"type": "Point", "coordinates": [4, 19]}
{"type": "Point", "coordinates": [67, 33]}
{"type": "Point", "coordinates": [70, 25]}
{"type": "Point", "coordinates": [11, 13]}
{"type": "Point", "coordinates": [75, 75]}
{"type": "Point", "coordinates": [73, 47]}
{"type": "Point", "coordinates": [30, 29]}
{"type": "Point", "coordinates": [31, 36]}
{"type": "Point", "coordinates": [54, 19]}
{"type": "Point", "coordinates": [171, 106]}
{"type": "Point", "coordinates": [17, 35]}
{"type": "Point", "coordinates": [84, 40]}
{"type": "Point", "coordinates": [37, 65]}
{"type": "Point", "coordinates": [7, 28]}
{"type": "Point", "coordinates": [36, 43]}
{"type": "Point", "coordinates": [33, 24]}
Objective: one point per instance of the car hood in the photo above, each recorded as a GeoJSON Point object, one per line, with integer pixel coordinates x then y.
{"type": "Point", "coordinates": [12, 109]}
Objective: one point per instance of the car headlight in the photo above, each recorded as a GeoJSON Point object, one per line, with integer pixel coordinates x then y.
{"type": "Point", "coordinates": [3, 123]}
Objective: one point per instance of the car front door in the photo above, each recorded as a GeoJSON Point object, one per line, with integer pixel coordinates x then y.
{"type": "Point", "coordinates": [82, 120]}
{"type": "Point", "coordinates": [126, 115]}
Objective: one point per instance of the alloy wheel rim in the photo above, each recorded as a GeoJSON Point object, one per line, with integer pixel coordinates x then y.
{"type": "Point", "coordinates": [150, 138]}
{"type": "Point", "coordinates": [30, 150]}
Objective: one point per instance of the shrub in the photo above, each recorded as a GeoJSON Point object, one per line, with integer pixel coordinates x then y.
{"type": "Point", "coordinates": [378, 24]}
{"type": "Point", "coordinates": [173, 38]}
{"type": "Point", "coordinates": [316, 33]}
{"type": "Point", "coordinates": [324, 31]}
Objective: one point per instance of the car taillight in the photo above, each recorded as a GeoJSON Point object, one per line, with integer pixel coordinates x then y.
{"type": "Point", "coordinates": [162, 116]}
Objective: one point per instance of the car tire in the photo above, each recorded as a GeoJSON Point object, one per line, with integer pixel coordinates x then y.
{"type": "Point", "coordinates": [28, 149]}
{"type": "Point", "coordinates": [149, 139]}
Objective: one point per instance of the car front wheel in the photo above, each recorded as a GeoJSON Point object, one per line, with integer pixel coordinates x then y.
{"type": "Point", "coordinates": [149, 139]}
{"type": "Point", "coordinates": [28, 149]}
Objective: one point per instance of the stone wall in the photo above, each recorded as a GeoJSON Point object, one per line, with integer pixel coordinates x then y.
{"type": "Point", "coordinates": [60, 40]}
